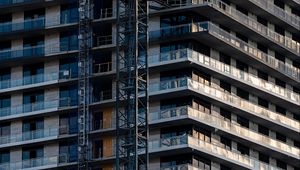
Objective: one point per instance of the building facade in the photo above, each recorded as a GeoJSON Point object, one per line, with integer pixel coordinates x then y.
{"type": "Point", "coordinates": [224, 85]}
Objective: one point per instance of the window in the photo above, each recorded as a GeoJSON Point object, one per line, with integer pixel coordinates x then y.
{"type": "Point", "coordinates": [264, 158]}
{"type": "Point", "coordinates": [68, 152]}
{"type": "Point", "coordinates": [243, 149]}
{"type": "Point", "coordinates": [281, 164]}
{"type": "Point", "coordinates": [34, 19]}
{"type": "Point", "coordinates": [226, 86]}
{"type": "Point", "coordinates": [262, 21]}
{"type": "Point", "coordinates": [30, 154]}
{"type": "Point", "coordinates": [69, 40]}
{"type": "Point", "coordinates": [225, 113]}
{"type": "Point", "coordinates": [242, 10]}
{"type": "Point", "coordinates": [262, 48]}
{"type": "Point", "coordinates": [33, 129]}
{"type": "Point", "coordinates": [33, 73]}
{"type": "Point", "coordinates": [242, 93]}
{"type": "Point", "coordinates": [279, 57]}
{"type": "Point", "coordinates": [279, 82]}
{"type": "Point", "coordinates": [280, 137]}
{"type": "Point", "coordinates": [4, 132]}
{"type": "Point", "coordinates": [243, 121]}
{"type": "Point", "coordinates": [262, 75]}
{"type": "Point", "coordinates": [33, 46]}
{"type": "Point", "coordinates": [242, 37]}
{"type": "Point", "coordinates": [69, 13]}
{"type": "Point", "coordinates": [223, 167]}
{"type": "Point", "coordinates": [280, 110]}
{"type": "Point", "coordinates": [97, 120]}
{"type": "Point", "coordinates": [5, 22]}
{"type": "Point", "coordinates": [263, 102]}
{"type": "Point", "coordinates": [68, 95]}
{"type": "Point", "coordinates": [4, 158]}
{"type": "Point", "coordinates": [68, 68]}
{"type": "Point", "coordinates": [68, 123]}
{"type": "Point", "coordinates": [241, 66]}
{"type": "Point", "coordinates": [33, 101]}
{"type": "Point", "coordinates": [263, 130]}
{"type": "Point", "coordinates": [5, 104]}
{"type": "Point", "coordinates": [226, 142]}
{"type": "Point", "coordinates": [4, 78]}
{"type": "Point", "coordinates": [98, 149]}
{"type": "Point", "coordinates": [168, 21]}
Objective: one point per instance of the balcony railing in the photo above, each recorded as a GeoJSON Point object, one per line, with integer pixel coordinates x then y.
{"type": "Point", "coordinates": [104, 13]}
{"type": "Point", "coordinates": [38, 106]}
{"type": "Point", "coordinates": [229, 70]}
{"type": "Point", "coordinates": [216, 149]}
{"type": "Point", "coordinates": [214, 30]}
{"type": "Point", "coordinates": [28, 80]}
{"type": "Point", "coordinates": [104, 124]}
{"type": "Point", "coordinates": [277, 11]}
{"type": "Point", "coordinates": [225, 125]}
{"type": "Point", "coordinates": [250, 22]}
{"type": "Point", "coordinates": [103, 67]}
{"type": "Point", "coordinates": [31, 135]}
{"type": "Point", "coordinates": [33, 24]}
{"type": "Point", "coordinates": [102, 95]}
{"type": "Point", "coordinates": [37, 163]}
{"type": "Point", "coordinates": [200, 166]}
{"type": "Point", "coordinates": [104, 40]}
{"type": "Point", "coordinates": [225, 97]}
{"type": "Point", "coordinates": [37, 51]}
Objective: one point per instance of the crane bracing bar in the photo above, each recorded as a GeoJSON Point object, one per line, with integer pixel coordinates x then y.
{"type": "Point", "coordinates": [84, 37]}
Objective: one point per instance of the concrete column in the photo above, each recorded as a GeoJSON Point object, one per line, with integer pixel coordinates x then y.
{"type": "Point", "coordinates": [51, 150]}
{"type": "Point", "coordinates": [272, 107]}
{"type": "Point", "coordinates": [113, 60]}
{"type": "Point", "coordinates": [215, 138]}
{"type": "Point", "coordinates": [154, 164]}
{"type": "Point", "coordinates": [16, 156]}
{"type": "Point", "coordinates": [16, 127]}
{"type": "Point", "coordinates": [272, 134]}
{"type": "Point", "coordinates": [254, 154]}
{"type": "Point", "coordinates": [253, 99]}
{"type": "Point", "coordinates": [154, 135]}
{"type": "Point", "coordinates": [154, 23]}
{"type": "Point", "coordinates": [214, 54]}
{"type": "Point", "coordinates": [51, 94]}
{"type": "Point", "coordinates": [253, 126]}
{"type": "Point", "coordinates": [114, 33]}
{"type": "Point", "coordinates": [271, 53]}
{"type": "Point", "coordinates": [16, 100]}
{"type": "Point", "coordinates": [17, 44]}
{"type": "Point", "coordinates": [52, 67]}
{"type": "Point", "coordinates": [215, 110]}
{"type": "Point", "coordinates": [16, 73]}
{"type": "Point", "coordinates": [273, 162]}
{"type": "Point", "coordinates": [51, 121]}
{"type": "Point", "coordinates": [215, 82]}
{"type": "Point", "coordinates": [252, 70]}
{"type": "Point", "coordinates": [52, 44]}
{"type": "Point", "coordinates": [52, 15]}
{"type": "Point", "coordinates": [215, 166]}
{"type": "Point", "coordinates": [17, 17]}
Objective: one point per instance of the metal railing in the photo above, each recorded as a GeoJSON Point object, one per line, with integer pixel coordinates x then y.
{"type": "Point", "coordinates": [277, 11]}
{"type": "Point", "coordinates": [230, 39]}
{"type": "Point", "coordinates": [38, 51]}
{"type": "Point", "coordinates": [30, 135]}
{"type": "Point", "coordinates": [230, 71]}
{"type": "Point", "coordinates": [104, 40]}
{"type": "Point", "coordinates": [104, 13]}
{"type": "Point", "coordinates": [225, 97]}
{"type": "Point", "coordinates": [225, 125]}
{"type": "Point", "coordinates": [212, 148]}
{"type": "Point", "coordinates": [102, 95]}
{"type": "Point", "coordinates": [251, 23]}
{"type": "Point", "coordinates": [103, 67]}
{"type": "Point", "coordinates": [37, 106]}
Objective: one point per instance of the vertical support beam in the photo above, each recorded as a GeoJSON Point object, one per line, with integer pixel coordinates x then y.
{"type": "Point", "coordinates": [132, 85]}
{"type": "Point", "coordinates": [83, 82]}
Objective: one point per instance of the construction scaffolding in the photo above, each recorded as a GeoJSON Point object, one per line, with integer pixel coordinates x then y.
{"type": "Point", "coordinates": [132, 85]}
{"type": "Point", "coordinates": [84, 37]}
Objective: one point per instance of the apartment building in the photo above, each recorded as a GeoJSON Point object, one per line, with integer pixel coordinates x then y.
{"type": "Point", "coordinates": [224, 85]}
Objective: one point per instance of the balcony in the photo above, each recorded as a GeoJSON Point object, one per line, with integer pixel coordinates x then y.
{"type": "Point", "coordinates": [28, 137]}
{"type": "Point", "coordinates": [104, 13]}
{"type": "Point", "coordinates": [31, 108]}
{"type": "Point", "coordinates": [277, 11]}
{"type": "Point", "coordinates": [250, 23]}
{"type": "Point", "coordinates": [188, 167]}
{"type": "Point", "coordinates": [104, 40]}
{"type": "Point", "coordinates": [225, 98]}
{"type": "Point", "coordinates": [36, 163]}
{"type": "Point", "coordinates": [102, 96]}
{"type": "Point", "coordinates": [37, 51]}
{"type": "Point", "coordinates": [216, 150]}
{"type": "Point", "coordinates": [227, 70]}
{"type": "Point", "coordinates": [34, 80]}
{"type": "Point", "coordinates": [102, 67]}
{"type": "Point", "coordinates": [227, 126]}
{"type": "Point", "coordinates": [241, 46]}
